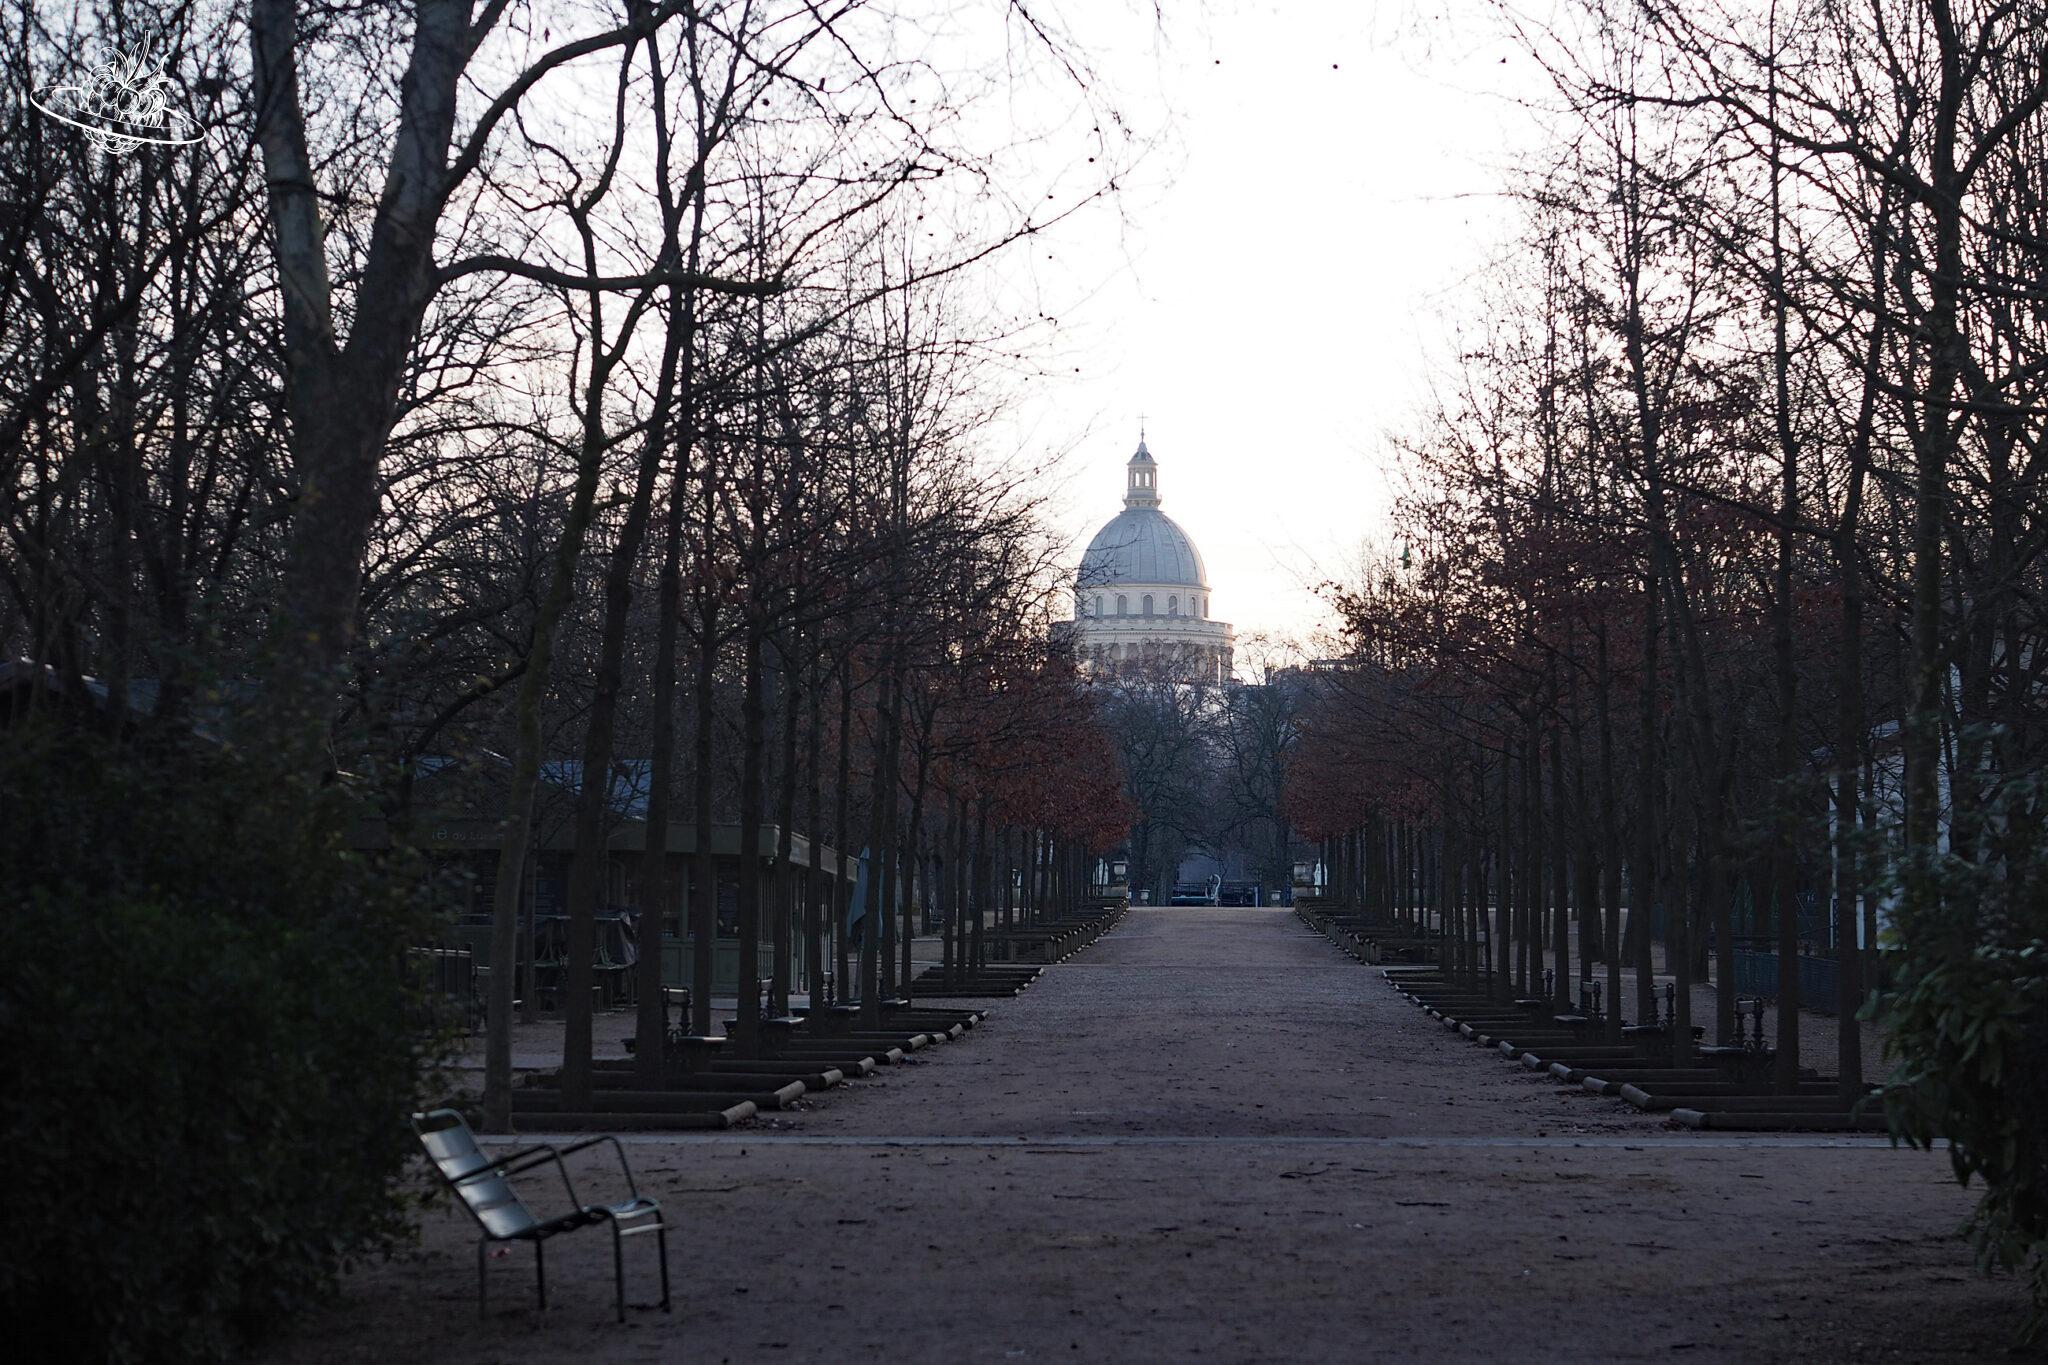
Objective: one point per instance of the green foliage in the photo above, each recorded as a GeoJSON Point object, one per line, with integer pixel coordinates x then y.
{"type": "Point", "coordinates": [210, 1047]}
{"type": "Point", "coordinates": [1969, 1035]}
{"type": "Point", "coordinates": [1971, 1038]}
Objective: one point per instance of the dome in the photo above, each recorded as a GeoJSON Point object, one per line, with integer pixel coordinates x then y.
{"type": "Point", "coordinates": [1141, 596]}
{"type": "Point", "coordinates": [1142, 545]}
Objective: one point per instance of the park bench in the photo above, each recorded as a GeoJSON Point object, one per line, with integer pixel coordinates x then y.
{"type": "Point", "coordinates": [774, 1028]}
{"type": "Point", "coordinates": [1748, 1061]}
{"type": "Point", "coordinates": [484, 1185]}
{"type": "Point", "coordinates": [1589, 1019]}
{"type": "Point", "coordinates": [681, 1049]}
{"type": "Point", "coordinates": [978, 981]}
{"type": "Point", "coordinates": [675, 1005]}
{"type": "Point", "coordinates": [830, 1015]}
{"type": "Point", "coordinates": [707, 1064]}
{"type": "Point", "coordinates": [1408, 947]}
{"type": "Point", "coordinates": [1036, 944]}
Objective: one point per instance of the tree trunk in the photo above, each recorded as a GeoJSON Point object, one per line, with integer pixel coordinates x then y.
{"type": "Point", "coordinates": [1560, 882]}
{"type": "Point", "coordinates": [914, 876]}
{"type": "Point", "coordinates": [1933, 437]}
{"type": "Point", "coordinates": [1610, 835]}
{"type": "Point", "coordinates": [651, 1026]}
{"type": "Point", "coordinates": [813, 898]}
{"type": "Point", "coordinates": [342, 397]}
{"type": "Point", "coordinates": [841, 888]}
{"type": "Point", "coordinates": [1787, 807]}
{"type": "Point", "coordinates": [977, 949]}
{"type": "Point", "coordinates": [785, 840]}
{"type": "Point", "coordinates": [880, 797]}
{"type": "Point", "coordinates": [703, 901]}
{"type": "Point", "coordinates": [1642, 873]}
{"type": "Point", "coordinates": [746, 1040]}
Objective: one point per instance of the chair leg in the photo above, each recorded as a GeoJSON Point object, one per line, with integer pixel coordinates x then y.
{"type": "Point", "coordinates": [619, 1268]}
{"type": "Point", "coordinates": [482, 1289]}
{"type": "Point", "coordinates": [661, 1249]}
{"type": "Point", "coordinates": [540, 1271]}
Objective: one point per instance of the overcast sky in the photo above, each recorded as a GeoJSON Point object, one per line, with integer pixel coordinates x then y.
{"type": "Point", "coordinates": [1281, 276]}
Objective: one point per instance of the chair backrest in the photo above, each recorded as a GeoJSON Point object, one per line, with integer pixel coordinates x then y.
{"type": "Point", "coordinates": [487, 1195]}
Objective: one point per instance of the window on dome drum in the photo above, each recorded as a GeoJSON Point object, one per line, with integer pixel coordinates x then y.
{"type": "Point", "coordinates": [1122, 608]}
{"type": "Point", "coordinates": [1148, 604]}
{"type": "Point", "coordinates": [1173, 606]}
{"type": "Point", "coordinates": [1098, 604]}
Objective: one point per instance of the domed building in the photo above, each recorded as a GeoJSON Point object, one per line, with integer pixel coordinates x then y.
{"type": "Point", "coordinates": [1141, 598]}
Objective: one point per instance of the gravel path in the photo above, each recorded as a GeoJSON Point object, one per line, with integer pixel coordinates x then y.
{"type": "Point", "coordinates": [1213, 1137]}
{"type": "Point", "coordinates": [1210, 1021]}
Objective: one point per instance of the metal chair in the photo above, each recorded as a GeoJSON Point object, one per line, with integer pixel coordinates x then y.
{"type": "Point", "coordinates": [483, 1183]}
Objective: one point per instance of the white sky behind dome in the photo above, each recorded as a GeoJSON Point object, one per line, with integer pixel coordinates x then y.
{"type": "Point", "coordinates": [1276, 285]}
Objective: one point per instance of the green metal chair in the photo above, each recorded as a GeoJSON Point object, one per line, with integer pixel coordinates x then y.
{"type": "Point", "coordinates": [483, 1184]}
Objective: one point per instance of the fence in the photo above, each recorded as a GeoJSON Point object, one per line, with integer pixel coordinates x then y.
{"type": "Point", "coordinates": [449, 976]}
{"type": "Point", "coordinates": [1757, 974]}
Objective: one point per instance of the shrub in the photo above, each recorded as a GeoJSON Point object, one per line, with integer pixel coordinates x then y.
{"type": "Point", "coordinates": [209, 1049]}
{"type": "Point", "coordinates": [1969, 1035]}
{"type": "Point", "coordinates": [1971, 1038]}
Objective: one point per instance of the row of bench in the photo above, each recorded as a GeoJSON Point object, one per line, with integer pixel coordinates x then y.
{"type": "Point", "coordinates": [1728, 1088]}
{"type": "Point", "coordinates": [705, 1086]}
{"type": "Point", "coordinates": [1014, 958]}
{"type": "Point", "coordinates": [1372, 938]}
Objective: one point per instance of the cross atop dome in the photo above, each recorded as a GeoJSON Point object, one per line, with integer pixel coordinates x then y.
{"type": "Point", "coordinates": [1141, 478]}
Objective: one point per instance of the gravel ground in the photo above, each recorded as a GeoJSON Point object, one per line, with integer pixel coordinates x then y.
{"type": "Point", "coordinates": [1213, 1137]}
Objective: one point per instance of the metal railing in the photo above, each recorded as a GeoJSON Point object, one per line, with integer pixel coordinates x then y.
{"type": "Point", "coordinates": [1756, 974]}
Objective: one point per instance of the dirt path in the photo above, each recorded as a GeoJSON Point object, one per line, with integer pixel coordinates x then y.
{"type": "Point", "coordinates": [1212, 1137]}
